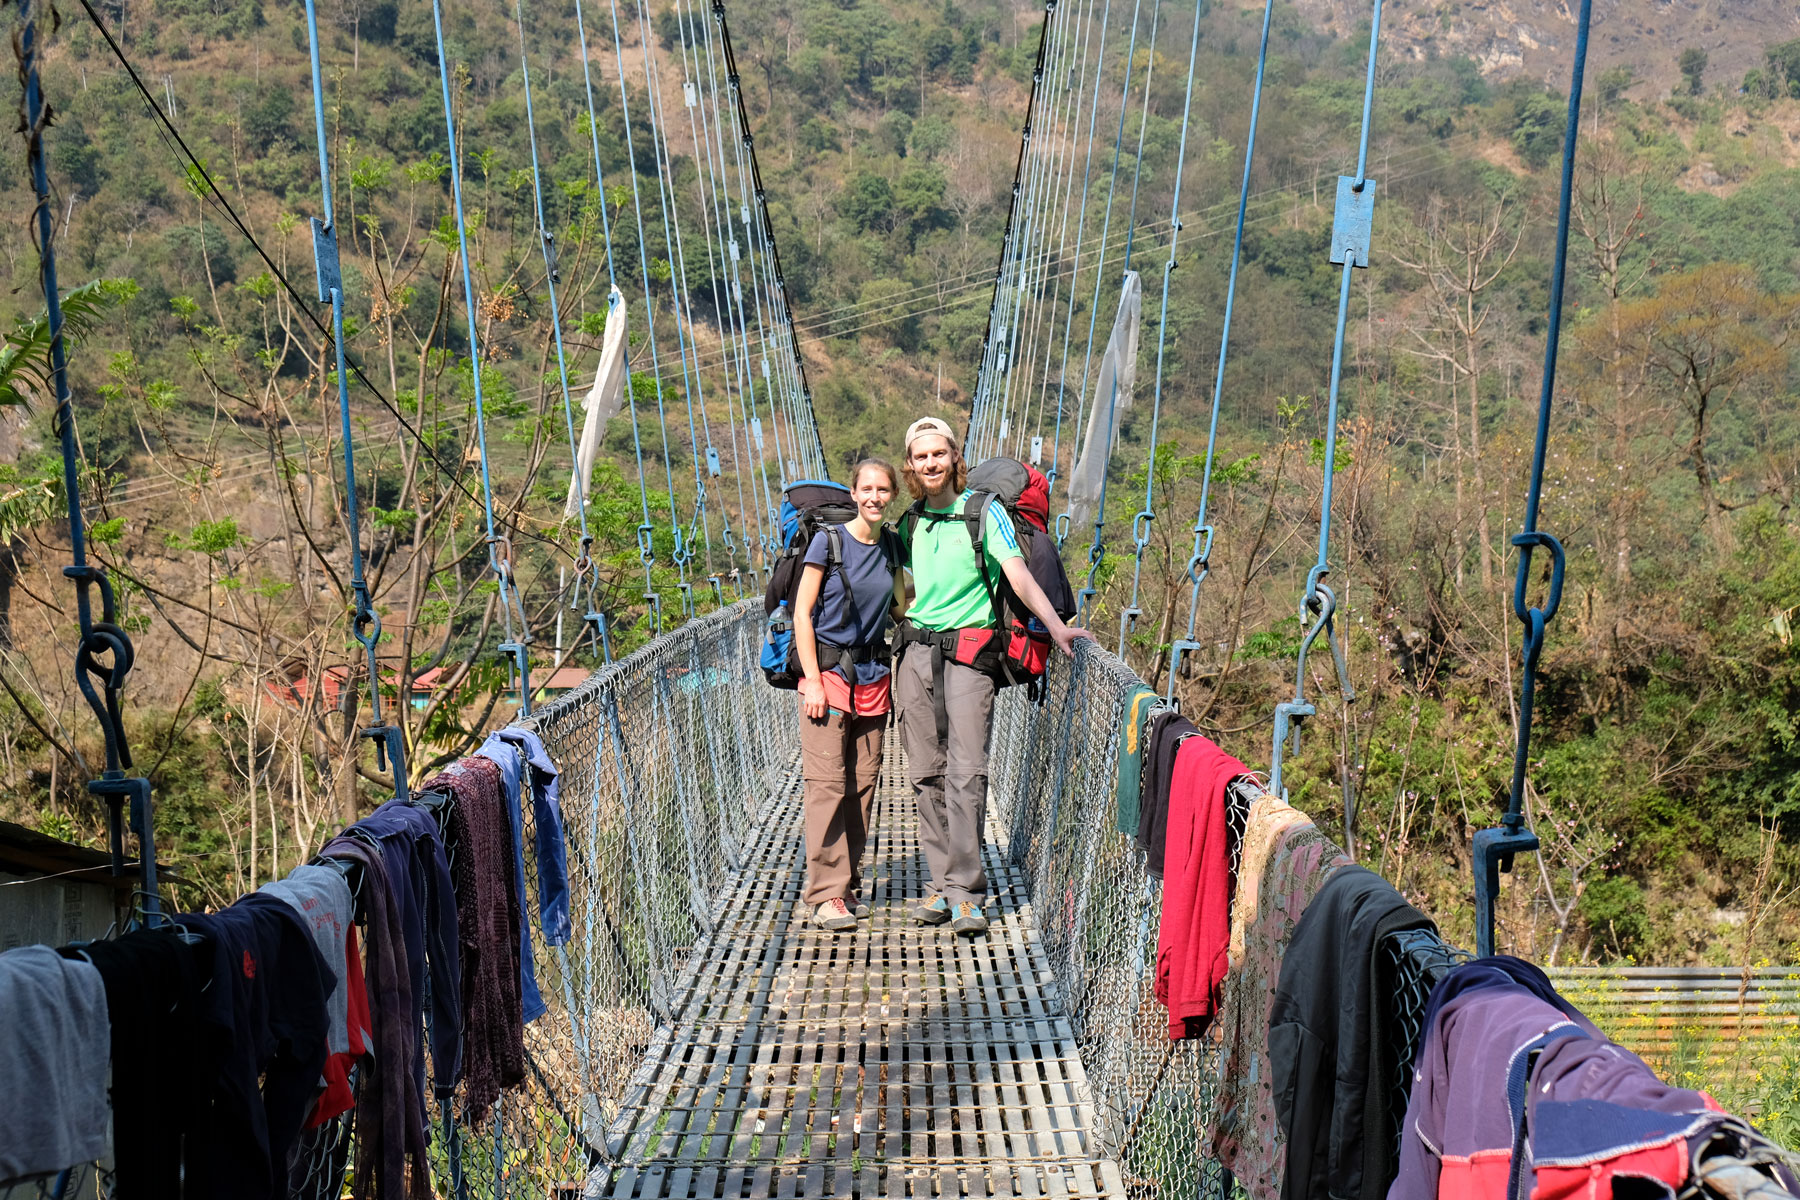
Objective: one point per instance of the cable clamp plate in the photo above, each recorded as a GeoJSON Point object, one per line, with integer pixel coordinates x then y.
{"type": "Point", "coordinates": [1353, 222]}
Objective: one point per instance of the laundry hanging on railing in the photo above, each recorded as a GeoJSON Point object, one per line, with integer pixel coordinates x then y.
{"type": "Point", "coordinates": [414, 853]}
{"type": "Point", "coordinates": [1285, 860]}
{"type": "Point", "coordinates": [388, 1131]}
{"type": "Point", "coordinates": [604, 401]}
{"type": "Point", "coordinates": [1196, 916]}
{"type": "Point", "coordinates": [52, 1062]}
{"type": "Point", "coordinates": [1329, 1034]}
{"type": "Point", "coordinates": [1112, 400]}
{"type": "Point", "coordinates": [322, 898]}
{"type": "Point", "coordinates": [489, 923]}
{"type": "Point", "coordinates": [1128, 793]}
{"type": "Point", "coordinates": [266, 1011]}
{"type": "Point", "coordinates": [1163, 736]}
{"type": "Point", "coordinates": [323, 993]}
{"type": "Point", "coordinates": [1512, 1079]}
{"type": "Point", "coordinates": [515, 751]}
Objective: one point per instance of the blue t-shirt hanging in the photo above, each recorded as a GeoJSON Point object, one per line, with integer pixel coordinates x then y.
{"type": "Point", "coordinates": [871, 580]}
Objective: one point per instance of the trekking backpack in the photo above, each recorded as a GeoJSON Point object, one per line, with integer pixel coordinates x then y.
{"type": "Point", "coordinates": [1022, 648]}
{"type": "Point", "coordinates": [807, 506]}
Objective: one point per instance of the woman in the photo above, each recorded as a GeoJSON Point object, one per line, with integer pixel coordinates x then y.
{"type": "Point", "coordinates": [842, 611]}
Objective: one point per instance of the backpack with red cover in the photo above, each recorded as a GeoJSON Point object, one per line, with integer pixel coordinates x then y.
{"type": "Point", "coordinates": [1022, 650]}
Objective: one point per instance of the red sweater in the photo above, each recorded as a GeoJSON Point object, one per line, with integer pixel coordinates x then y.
{"type": "Point", "coordinates": [1196, 911]}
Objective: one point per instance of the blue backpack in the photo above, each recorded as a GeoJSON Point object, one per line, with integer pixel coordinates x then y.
{"type": "Point", "coordinates": [807, 506]}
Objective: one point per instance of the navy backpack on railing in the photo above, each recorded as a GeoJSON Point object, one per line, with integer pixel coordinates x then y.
{"type": "Point", "coordinates": [807, 506]}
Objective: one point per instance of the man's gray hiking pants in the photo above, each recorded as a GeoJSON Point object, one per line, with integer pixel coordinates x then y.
{"type": "Point", "coordinates": [949, 776]}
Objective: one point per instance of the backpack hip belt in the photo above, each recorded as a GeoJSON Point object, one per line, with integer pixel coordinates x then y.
{"type": "Point", "coordinates": [833, 656]}
{"type": "Point", "coordinates": [980, 648]}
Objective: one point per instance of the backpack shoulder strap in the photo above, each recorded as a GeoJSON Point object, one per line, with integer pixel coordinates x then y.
{"type": "Point", "coordinates": [909, 521]}
{"type": "Point", "coordinates": [834, 560]}
{"type": "Point", "coordinates": [975, 516]}
{"type": "Point", "coordinates": [893, 547]}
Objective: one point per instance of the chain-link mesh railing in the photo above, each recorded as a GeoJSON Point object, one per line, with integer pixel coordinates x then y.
{"type": "Point", "coordinates": [1054, 777]}
{"type": "Point", "coordinates": [89, 1181]}
{"type": "Point", "coordinates": [664, 758]}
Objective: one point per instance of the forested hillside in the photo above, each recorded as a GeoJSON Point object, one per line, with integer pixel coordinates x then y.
{"type": "Point", "coordinates": [1666, 766]}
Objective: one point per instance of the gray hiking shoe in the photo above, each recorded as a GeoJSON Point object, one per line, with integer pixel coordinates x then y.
{"type": "Point", "coordinates": [969, 919]}
{"type": "Point", "coordinates": [933, 910]}
{"type": "Point", "coordinates": [834, 915]}
{"type": "Point", "coordinates": [857, 905]}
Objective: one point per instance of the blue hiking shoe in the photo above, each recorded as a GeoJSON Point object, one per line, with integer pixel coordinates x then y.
{"type": "Point", "coordinates": [969, 919]}
{"type": "Point", "coordinates": [933, 910]}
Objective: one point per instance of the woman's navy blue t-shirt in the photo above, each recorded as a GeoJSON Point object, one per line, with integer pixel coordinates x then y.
{"type": "Point", "coordinates": [871, 581]}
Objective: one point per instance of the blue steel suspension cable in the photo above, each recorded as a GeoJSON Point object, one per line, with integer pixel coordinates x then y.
{"type": "Point", "coordinates": [123, 794]}
{"type": "Point", "coordinates": [1137, 169]}
{"type": "Point", "coordinates": [787, 380]}
{"type": "Point", "coordinates": [678, 299]}
{"type": "Point", "coordinates": [1062, 382]}
{"type": "Point", "coordinates": [1097, 550]}
{"type": "Point", "coordinates": [758, 286]}
{"type": "Point", "coordinates": [678, 554]}
{"type": "Point", "coordinates": [517, 645]}
{"type": "Point", "coordinates": [1140, 524]}
{"type": "Point", "coordinates": [1031, 259]}
{"type": "Point", "coordinates": [743, 261]}
{"type": "Point", "coordinates": [777, 382]}
{"type": "Point", "coordinates": [547, 244]}
{"type": "Point", "coordinates": [706, 188]}
{"type": "Point", "coordinates": [719, 187]}
{"type": "Point", "coordinates": [990, 346]}
{"type": "Point", "coordinates": [1037, 277]}
{"type": "Point", "coordinates": [1494, 848]}
{"type": "Point", "coordinates": [1351, 234]}
{"type": "Point", "coordinates": [645, 530]}
{"type": "Point", "coordinates": [815, 448]}
{"type": "Point", "coordinates": [390, 741]}
{"type": "Point", "coordinates": [1076, 88]}
{"type": "Point", "coordinates": [1200, 562]}
{"type": "Point", "coordinates": [714, 467]}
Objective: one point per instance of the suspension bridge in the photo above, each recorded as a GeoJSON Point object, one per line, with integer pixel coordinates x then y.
{"type": "Point", "coordinates": [704, 1040]}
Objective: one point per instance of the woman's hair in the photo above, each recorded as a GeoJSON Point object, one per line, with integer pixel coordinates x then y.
{"type": "Point", "coordinates": [875, 464]}
{"type": "Point", "coordinates": [959, 474]}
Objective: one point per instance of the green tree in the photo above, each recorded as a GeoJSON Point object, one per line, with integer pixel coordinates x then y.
{"type": "Point", "coordinates": [1537, 131]}
{"type": "Point", "coordinates": [1693, 69]}
{"type": "Point", "coordinates": [867, 201]}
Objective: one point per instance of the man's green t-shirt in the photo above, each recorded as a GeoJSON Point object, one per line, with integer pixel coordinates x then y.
{"type": "Point", "coordinates": [948, 592]}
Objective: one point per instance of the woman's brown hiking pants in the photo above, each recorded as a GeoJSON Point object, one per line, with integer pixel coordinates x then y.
{"type": "Point", "coordinates": [840, 758]}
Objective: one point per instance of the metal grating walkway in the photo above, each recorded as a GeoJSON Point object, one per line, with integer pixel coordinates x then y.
{"type": "Point", "coordinates": [898, 1060]}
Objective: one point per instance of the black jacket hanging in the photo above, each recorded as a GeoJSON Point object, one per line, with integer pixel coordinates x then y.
{"type": "Point", "coordinates": [1328, 1039]}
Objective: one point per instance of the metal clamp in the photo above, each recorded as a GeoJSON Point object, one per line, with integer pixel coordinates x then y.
{"type": "Point", "coordinates": [519, 662]}
{"type": "Point", "coordinates": [1290, 715]}
{"type": "Point", "coordinates": [124, 794]}
{"type": "Point", "coordinates": [1353, 221]}
{"type": "Point", "coordinates": [390, 754]}
{"type": "Point", "coordinates": [1494, 850]}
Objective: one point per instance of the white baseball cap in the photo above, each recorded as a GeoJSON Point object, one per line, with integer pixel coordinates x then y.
{"type": "Point", "coordinates": [928, 425]}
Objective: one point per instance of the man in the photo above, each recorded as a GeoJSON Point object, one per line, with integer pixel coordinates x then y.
{"type": "Point", "coordinates": [947, 760]}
